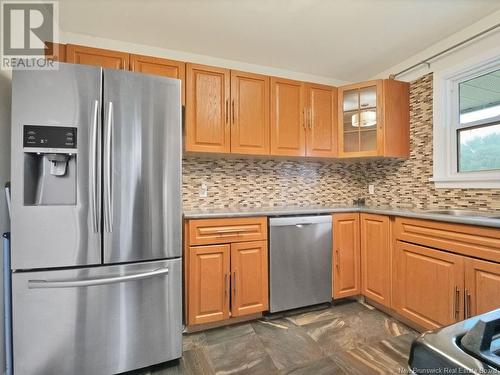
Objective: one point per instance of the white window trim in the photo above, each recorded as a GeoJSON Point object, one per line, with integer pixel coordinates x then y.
{"type": "Point", "coordinates": [445, 113]}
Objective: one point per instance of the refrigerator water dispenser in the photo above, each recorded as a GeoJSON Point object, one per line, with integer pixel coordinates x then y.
{"type": "Point", "coordinates": [49, 165]}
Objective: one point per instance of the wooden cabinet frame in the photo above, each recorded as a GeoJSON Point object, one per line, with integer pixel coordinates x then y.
{"type": "Point", "coordinates": [161, 67]}
{"type": "Point", "coordinates": [207, 109]}
{"type": "Point", "coordinates": [288, 127]}
{"type": "Point", "coordinates": [477, 280]}
{"type": "Point", "coordinates": [97, 56]}
{"type": "Point", "coordinates": [321, 120]}
{"type": "Point", "coordinates": [250, 115]}
{"type": "Point", "coordinates": [376, 258]}
{"type": "Point", "coordinates": [208, 294]}
{"type": "Point", "coordinates": [306, 128]}
{"type": "Point", "coordinates": [241, 245]}
{"type": "Point", "coordinates": [393, 119]}
{"type": "Point", "coordinates": [346, 255]}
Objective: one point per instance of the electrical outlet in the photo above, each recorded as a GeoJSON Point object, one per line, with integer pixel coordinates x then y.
{"type": "Point", "coordinates": [371, 189]}
{"type": "Point", "coordinates": [203, 192]}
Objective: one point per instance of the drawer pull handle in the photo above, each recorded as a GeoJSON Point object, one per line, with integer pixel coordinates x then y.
{"type": "Point", "coordinates": [207, 231]}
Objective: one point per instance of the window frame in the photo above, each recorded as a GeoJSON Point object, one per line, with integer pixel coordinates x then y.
{"type": "Point", "coordinates": [446, 113]}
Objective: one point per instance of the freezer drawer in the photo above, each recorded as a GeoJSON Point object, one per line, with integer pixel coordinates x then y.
{"type": "Point", "coordinates": [300, 261]}
{"type": "Point", "coordinates": [100, 320]}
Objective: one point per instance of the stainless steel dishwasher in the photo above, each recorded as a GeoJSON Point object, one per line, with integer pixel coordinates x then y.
{"type": "Point", "coordinates": [300, 261]}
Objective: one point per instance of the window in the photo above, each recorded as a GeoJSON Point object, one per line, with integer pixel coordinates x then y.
{"type": "Point", "coordinates": [478, 128]}
{"type": "Point", "coordinates": [467, 126]}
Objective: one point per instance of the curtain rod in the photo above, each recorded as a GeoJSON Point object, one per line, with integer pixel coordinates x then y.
{"type": "Point", "coordinates": [427, 60]}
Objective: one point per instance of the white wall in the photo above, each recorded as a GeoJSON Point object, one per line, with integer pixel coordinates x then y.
{"type": "Point", "coordinates": [5, 103]}
{"type": "Point", "coordinates": [467, 52]}
{"type": "Point", "coordinates": [92, 41]}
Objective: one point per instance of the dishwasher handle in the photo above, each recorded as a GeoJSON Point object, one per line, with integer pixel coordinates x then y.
{"type": "Point", "coordinates": [299, 221]}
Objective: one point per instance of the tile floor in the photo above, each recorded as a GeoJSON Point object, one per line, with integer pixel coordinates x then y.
{"type": "Point", "coordinates": [348, 338]}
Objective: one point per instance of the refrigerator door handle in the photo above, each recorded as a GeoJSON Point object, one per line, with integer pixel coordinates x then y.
{"type": "Point", "coordinates": [108, 170]}
{"type": "Point", "coordinates": [46, 284]}
{"type": "Point", "coordinates": [94, 168]}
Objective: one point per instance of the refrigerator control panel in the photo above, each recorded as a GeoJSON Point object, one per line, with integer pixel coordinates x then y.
{"type": "Point", "coordinates": [49, 137]}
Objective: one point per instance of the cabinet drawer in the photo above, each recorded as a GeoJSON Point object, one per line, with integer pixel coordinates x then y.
{"type": "Point", "coordinates": [468, 240]}
{"type": "Point", "coordinates": [216, 231]}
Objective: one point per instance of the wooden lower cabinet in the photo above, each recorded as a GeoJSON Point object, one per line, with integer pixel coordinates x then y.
{"type": "Point", "coordinates": [428, 285]}
{"type": "Point", "coordinates": [249, 281]}
{"type": "Point", "coordinates": [482, 286]}
{"type": "Point", "coordinates": [226, 280]}
{"type": "Point", "coordinates": [208, 293]}
{"type": "Point", "coordinates": [376, 258]}
{"type": "Point", "coordinates": [346, 255]}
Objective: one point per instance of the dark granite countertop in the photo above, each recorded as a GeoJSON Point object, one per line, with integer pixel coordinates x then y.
{"type": "Point", "coordinates": [317, 210]}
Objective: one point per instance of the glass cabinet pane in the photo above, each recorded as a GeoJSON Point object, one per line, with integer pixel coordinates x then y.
{"type": "Point", "coordinates": [366, 119]}
{"type": "Point", "coordinates": [368, 97]}
{"type": "Point", "coordinates": [368, 140]}
{"type": "Point", "coordinates": [351, 100]}
{"type": "Point", "coordinates": [351, 142]}
{"type": "Point", "coordinates": [350, 121]}
{"type": "Point", "coordinates": [359, 120]}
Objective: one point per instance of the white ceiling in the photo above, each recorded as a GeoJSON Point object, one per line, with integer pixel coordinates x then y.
{"type": "Point", "coordinates": [348, 40]}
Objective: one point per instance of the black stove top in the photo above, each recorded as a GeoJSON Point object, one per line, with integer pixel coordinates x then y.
{"type": "Point", "coordinates": [468, 347]}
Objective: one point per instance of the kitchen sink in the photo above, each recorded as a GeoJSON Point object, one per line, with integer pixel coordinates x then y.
{"type": "Point", "coordinates": [455, 212]}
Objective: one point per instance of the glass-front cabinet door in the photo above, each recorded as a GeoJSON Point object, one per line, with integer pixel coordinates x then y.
{"type": "Point", "coordinates": [360, 114]}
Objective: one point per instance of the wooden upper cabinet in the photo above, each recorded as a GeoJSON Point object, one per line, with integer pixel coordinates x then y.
{"type": "Point", "coordinates": [321, 120]}
{"type": "Point", "coordinates": [55, 51]}
{"type": "Point", "coordinates": [97, 56]}
{"type": "Point", "coordinates": [160, 67]}
{"type": "Point", "coordinates": [374, 119]}
{"type": "Point", "coordinates": [208, 283]}
{"type": "Point", "coordinates": [376, 258]}
{"type": "Point", "coordinates": [207, 109]}
{"type": "Point", "coordinates": [346, 255]}
{"type": "Point", "coordinates": [482, 286]}
{"type": "Point", "coordinates": [249, 113]}
{"type": "Point", "coordinates": [428, 285]}
{"type": "Point", "coordinates": [287, 118]}
{"type": "Point", "coordinates": [249, 268]}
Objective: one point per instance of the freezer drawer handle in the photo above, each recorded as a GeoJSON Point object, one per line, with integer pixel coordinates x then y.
{"type": "Point", "coordinates": [45, 284]}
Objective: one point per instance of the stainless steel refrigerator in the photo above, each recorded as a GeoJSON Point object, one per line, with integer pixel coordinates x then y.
{"type": "Point", "coordinates": [96, 220]}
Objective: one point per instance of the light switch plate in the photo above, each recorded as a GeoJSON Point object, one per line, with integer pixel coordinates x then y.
{"type": "Point", "coordinates": [371, 189]}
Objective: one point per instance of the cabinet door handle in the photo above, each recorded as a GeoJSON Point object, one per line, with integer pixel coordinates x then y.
{"type": "Point", "coordinates": [225, 286]}
{"type": "Point", "coordinates": [234, 284]}
{"type": "Point", "coordinates": [456, 302]}
{"type": "Point", "coordinates": [310, 118]}
{"type": "Point", "coordinates": [338, 259]}
{"type": "Point", "coordinates": [468, 313]}
{"type": "Point", "coordinates": [227, 110]}
{"type": "Point", "coordinates": [232, 110]}
{"type": "Point", "coordinates": [304, 118]}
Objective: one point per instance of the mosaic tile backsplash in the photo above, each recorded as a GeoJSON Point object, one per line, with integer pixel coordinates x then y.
{"type": "Point", "coordinates": [256, 182]}
{"type": "Point", "coordinates": [265, 182]}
